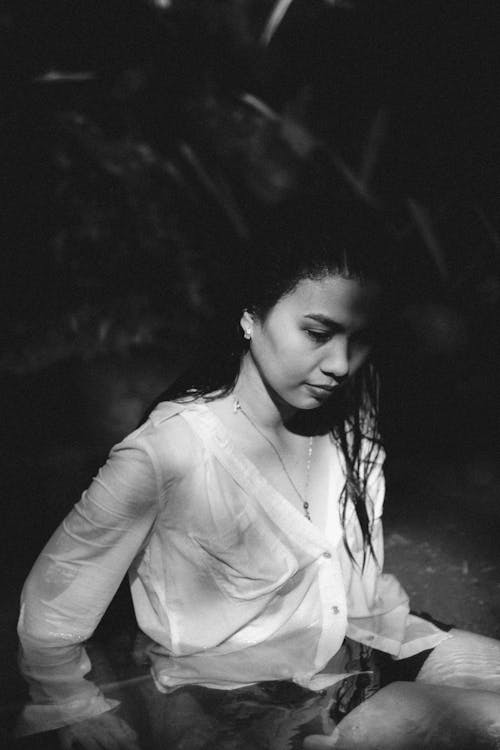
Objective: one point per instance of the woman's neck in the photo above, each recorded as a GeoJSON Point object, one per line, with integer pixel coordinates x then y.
{"type": "Point", "coordinates": [267, 409]}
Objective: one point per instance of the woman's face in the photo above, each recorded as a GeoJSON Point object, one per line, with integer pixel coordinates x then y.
{"type": "Point", "coordinates": [313, 338]}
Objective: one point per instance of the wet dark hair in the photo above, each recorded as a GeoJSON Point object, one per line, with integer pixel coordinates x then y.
{"type": "Point", "coordinates": [300, 240]}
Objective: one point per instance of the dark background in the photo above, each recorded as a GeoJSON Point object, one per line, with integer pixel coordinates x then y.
{"type": "Point", "coordinates": [141, 142]}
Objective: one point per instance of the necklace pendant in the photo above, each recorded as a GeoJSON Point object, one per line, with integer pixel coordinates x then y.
{"type": "Point", "coordinates": [236, 406]}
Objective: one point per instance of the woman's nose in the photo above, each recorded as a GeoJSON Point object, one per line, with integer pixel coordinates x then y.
{"type": "Point", "coordinates": [336, 364]}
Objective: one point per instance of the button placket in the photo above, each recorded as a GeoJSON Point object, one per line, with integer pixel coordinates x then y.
{"type": "Point", "coordinates": [332, 596]}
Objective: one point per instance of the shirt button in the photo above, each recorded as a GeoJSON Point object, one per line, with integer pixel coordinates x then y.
{"type": "Point", "coordinates": [335, 610]}
{"type": "Point", "coordinates": [327, 554]}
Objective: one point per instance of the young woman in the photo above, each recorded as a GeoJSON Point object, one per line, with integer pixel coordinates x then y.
{"type": "Point", "coordinates": [247, 511]}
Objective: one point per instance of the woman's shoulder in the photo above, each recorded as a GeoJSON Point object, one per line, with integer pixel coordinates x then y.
{"type": "Point", "coordinates": [167, 437]}
{"type": "Point", "coordinates": [165, 411]}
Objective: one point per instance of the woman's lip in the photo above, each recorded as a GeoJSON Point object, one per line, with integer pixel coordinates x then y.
{"type": "Point", "coordinates": [324, 388]}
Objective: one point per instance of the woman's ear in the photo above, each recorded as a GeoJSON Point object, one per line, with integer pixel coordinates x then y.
{"type": "Point", "coordinates": [246, 324]}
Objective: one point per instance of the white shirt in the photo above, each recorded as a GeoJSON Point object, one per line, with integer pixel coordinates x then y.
{"type": "Point", "coordinates": [232, 584]}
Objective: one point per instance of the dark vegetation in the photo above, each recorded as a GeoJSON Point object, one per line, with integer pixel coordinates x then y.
{"type": "Point", "coordinates": [142, 142]}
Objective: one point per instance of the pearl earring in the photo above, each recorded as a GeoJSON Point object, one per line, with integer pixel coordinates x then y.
{"type": "Point", "coordinates": [247, 335]}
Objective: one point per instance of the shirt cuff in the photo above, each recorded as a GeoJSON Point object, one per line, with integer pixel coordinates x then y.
{"type": "Point", "coordinates": [36, 718]}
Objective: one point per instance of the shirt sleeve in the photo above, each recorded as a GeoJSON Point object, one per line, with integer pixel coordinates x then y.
{"type": "Point", "coordinates": [378, 606]}
{"type": "Point", "coordinates": [73, 581]}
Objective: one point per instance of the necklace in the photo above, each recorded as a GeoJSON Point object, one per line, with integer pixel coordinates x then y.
{"type": "Point", "coordinates": [237, 407]}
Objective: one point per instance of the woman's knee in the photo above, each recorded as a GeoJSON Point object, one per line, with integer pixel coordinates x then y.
{"type": "Point", "coordinates": [464, 660]}
{"type": "Point", "coordinates": [412, 716]}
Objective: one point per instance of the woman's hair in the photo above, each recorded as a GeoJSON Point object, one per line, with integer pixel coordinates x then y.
{"type": "Point", "coordinates": [301, 240]}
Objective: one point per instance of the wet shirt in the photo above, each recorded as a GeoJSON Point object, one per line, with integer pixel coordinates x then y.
{"type": "Point", "coordinates": [230, 582]}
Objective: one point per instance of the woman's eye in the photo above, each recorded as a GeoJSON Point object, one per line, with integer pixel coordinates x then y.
{"type": "Point", "coordinates": [319, 336]}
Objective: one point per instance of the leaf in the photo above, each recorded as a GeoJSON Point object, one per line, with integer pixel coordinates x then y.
{"type": "Point", "coordinates": [371, 154]}
{"type": "Point", "coordinates": [424, 225]}
{"type": "Point", "coordinates": [274, 20]}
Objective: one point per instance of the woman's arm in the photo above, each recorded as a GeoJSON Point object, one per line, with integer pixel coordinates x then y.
{"type": "Point", "coordinates": [73, 581]}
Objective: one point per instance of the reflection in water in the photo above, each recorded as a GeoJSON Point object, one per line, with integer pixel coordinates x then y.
{"type": "Point", "coordinates": [274, 716]}
{"type": "Point", "coordinates": [270, 716]}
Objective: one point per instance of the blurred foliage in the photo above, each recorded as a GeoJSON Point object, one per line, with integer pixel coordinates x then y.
{"type": "Point", "coordinates": [141, 141]}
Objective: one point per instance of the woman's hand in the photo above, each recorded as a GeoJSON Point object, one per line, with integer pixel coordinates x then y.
{"type": "Point", "coordinates": [104, 732]}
